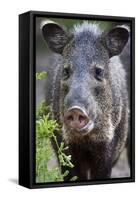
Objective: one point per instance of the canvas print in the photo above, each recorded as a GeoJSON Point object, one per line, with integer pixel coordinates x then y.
{"type": "Point", "coordinates": [83, 88]}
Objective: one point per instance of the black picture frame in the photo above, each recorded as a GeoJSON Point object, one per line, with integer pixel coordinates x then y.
{"type": "Point", "coordinates": [27, 100]}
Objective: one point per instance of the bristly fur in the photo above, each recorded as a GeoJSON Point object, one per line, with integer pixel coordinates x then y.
{"type": "Point", "coordinates": [92, 28]}
{"type": "Point", "coordinates": [105, 100]}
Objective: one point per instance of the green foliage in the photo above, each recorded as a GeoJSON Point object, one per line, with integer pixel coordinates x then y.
{"type": "Point", "coordinates": [45, 131]}
{"type": "Point", "coordinates": [41, 75]}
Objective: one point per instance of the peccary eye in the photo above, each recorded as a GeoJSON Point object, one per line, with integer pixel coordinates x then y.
{"type": "Point", "coordinates": [99, 73]}
{"type": "Point", "coordinates": [66, 73]}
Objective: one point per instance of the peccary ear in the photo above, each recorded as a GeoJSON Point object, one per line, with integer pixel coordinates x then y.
{"type": "Point", "coordinates": [55, 36]}
{"type": "Point", "coordinates": [116, 39]}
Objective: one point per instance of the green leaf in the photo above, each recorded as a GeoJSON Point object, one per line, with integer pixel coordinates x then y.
{"type": "Point", "coordinates": [41, 75]}
{"type": "Point", "coordinates": [74, 178]}
{"type": "Point", "coordinates": [66, 173]}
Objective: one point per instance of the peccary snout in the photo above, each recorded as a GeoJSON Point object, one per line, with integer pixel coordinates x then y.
{"type": "Point", "coordinates": [76, 118]}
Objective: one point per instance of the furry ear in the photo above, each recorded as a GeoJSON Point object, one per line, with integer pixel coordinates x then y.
{"type": "Point", "coordinates": [116, 39]}
{"type": "Point", "coordinates": [55, 36]}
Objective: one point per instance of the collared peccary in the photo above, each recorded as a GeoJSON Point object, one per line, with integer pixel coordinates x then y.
{"type": "Point", "coordinates": [87, 89]}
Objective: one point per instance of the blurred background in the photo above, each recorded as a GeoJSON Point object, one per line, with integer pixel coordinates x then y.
{"type": "Point", "coordinates": [44, 58]}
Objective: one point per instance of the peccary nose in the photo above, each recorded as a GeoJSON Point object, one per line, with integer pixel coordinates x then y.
{"type": "Point", "coordinates": [75, 118]}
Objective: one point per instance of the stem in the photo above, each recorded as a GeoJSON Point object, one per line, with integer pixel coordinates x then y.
{"type": "Point", "coordinates": [59, 151]}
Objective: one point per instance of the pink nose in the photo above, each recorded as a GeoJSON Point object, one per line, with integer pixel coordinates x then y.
{"type": "Point", "coordinates": [76, 118]}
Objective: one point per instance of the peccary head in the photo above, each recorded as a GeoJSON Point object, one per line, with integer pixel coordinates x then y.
{"type": "Point", "coordinates": [86, 84]}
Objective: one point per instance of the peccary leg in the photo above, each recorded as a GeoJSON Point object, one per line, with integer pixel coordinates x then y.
{"type": "Point", "coordinates": [89, 165]}
{"type": "Point", "coordinates": [97, 171]}
{"type": "Point", "coordinates": [101, 170]}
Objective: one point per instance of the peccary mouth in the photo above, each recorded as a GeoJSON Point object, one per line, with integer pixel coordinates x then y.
{"type": "Point", "coordinates": [85, 130]}
{"type": "Point", "coordinates": [77, 120]}
{"type": "Point", "coordinates": [88, 128]}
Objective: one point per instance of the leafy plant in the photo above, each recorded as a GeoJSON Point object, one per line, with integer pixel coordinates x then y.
{"type": "Point", "coordinates": [46, 170]}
